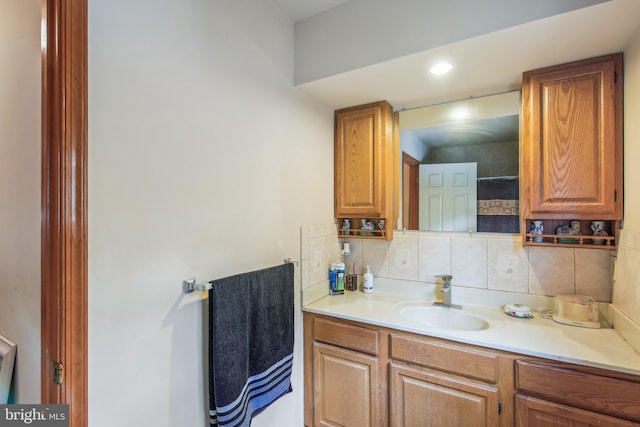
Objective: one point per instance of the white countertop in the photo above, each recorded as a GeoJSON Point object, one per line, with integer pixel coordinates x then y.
{"type": "Point", "coordinates": [537, 336]}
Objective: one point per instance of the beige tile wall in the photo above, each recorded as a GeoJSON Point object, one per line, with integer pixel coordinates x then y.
{"type": "Point", "coordinates": [319, 248]}
{"type": "Point", "coordinates": [489, 261]}
{"type": "Point", "coordinates": [626, 287]}
{"type": "Point", "coordinates": [484, 261]}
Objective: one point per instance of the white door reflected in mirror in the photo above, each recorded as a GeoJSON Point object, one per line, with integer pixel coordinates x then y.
{"type": "Point", "coordinates": [448, 197]}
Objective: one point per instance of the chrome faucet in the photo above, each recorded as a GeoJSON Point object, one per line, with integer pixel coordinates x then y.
{"type": "Point", "coordinates": [446, 292]}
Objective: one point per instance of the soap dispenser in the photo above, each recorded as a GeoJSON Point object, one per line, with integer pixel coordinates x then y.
{"type": "Point", "coordinates": [368, 281]}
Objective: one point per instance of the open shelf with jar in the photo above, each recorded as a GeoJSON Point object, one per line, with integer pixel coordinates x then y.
{"type": "Point", "coordinates": [596, 234]}
{"type": "Point", "coordinates": [375, 228]}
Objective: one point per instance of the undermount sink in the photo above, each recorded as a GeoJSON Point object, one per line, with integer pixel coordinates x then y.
{"type": "Point", "coordinates": [442, 317]}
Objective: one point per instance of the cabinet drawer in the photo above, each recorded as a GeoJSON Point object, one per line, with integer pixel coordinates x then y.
{"type": "Point", "coordinates": [581, 387]}
{"type": "Point", "coordinates": [347, 336]}
{"type": "Point", "coordinates": [470, 362]}
{"type": "Point", "coordinates": [537, 412]}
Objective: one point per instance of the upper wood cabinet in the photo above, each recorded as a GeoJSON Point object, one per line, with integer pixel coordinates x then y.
{"type": "Point", "coordinates": [572, 143]}
{"type": "Point", "coordinates": [366, 165]}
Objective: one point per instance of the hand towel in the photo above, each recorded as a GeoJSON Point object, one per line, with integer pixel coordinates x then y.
{"type": "Point", "coordinates": [250, 343]}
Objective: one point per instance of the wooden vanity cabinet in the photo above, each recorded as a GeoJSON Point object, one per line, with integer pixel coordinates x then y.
{"type": "Point", "coordinates": [572, 147]}
{"type": "Point", "coordinates": [345, 387]}
{"type": "Point", "coordinates": [534, 412]}
{"type": "Point", "coordinates": [563, 395]}
{"type": "Point", "coordinates": [421, 397]}
{"type": "Point", "coordinates": [366, 169]}
{"type": "Point", "coordinates": [362, 375]}
{"type": "Point", "coordinates": [434, 382]}
{"type": "Point", "coordinates": [345, 379]}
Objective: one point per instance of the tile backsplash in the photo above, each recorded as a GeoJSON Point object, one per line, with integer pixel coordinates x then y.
{"type": "Point", "coordinates": [626, 287]}
{"type": "Point", "coordinates": [319, 247]}
{"type": "Point", "coordinates": [485, 261]}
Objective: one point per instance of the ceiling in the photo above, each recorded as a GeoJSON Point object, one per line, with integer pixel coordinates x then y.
{"type": "Point", "coordinates": [487, 64]}
{"type": "Point", "coordinates": [300, 9]}
{"type": "Point", "coordinates": [497, 129]}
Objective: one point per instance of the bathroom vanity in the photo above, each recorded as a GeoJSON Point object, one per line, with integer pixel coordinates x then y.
{"type": "Point", "coordinates": [370, 362]}
{"type": "Point", "coordinates": [392, 358]}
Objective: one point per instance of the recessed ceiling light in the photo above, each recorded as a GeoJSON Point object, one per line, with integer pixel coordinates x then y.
{"type": "Point", "coordinates": [440, 68]}
{"type": "Point", "coordinates": [460, 113]}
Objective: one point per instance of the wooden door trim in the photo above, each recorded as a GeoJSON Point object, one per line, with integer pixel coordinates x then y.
{"type": "Point", "coordinates": [64, 205]}
{"type": "Point", "coordinates": [410, 162]}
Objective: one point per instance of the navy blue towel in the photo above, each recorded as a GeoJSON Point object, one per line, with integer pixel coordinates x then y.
{"type": "Point", "coordinates": [250, 343]}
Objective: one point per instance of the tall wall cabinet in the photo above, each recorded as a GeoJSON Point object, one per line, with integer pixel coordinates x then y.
{"type": "Point", "coordinates": [572, 150]}
{"type": "Point", "coordinates": [366, 168]}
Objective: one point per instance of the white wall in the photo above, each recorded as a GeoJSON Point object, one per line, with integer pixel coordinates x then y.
{"type": "Point", "coordinates": [413, 146]}
{"type": "Point", "coordinates": [204, 161]}
{"type": "Point", "coordinates": [20, 189]}
{"type": "Point", "coordinates": [626, 289]}
{"type": "Point", "coordinates": [632, 134]}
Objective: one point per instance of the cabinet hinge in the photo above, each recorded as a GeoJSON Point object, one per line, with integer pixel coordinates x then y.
{"type": "Point", "coordinates": [499, 406]}
{"type": "Point", "coordinates": [615, 195]}
{"type": "Point", "coordinates": [58, 372]}
{"type": "Point", "coordinates": [615, 77]}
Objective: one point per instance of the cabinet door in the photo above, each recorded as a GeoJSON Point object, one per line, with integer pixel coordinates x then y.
{"type": "Point", "coordinates": [423, 397]}
{"type": "Point", "coordinates": [345, 388]}
{"type": "Point", "coordinates": [363, 161]}
{"type": "Point", "coordinates": [572, 140]}
{"type": "Point", "coordinates": [532, 412]}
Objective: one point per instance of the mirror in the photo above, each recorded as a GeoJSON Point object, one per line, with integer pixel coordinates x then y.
{"type": "Point", "coordinates": [460, 165]}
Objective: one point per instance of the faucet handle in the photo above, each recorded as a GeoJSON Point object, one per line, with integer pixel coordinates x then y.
{"type": "Point", "coordinates": [445, 277]}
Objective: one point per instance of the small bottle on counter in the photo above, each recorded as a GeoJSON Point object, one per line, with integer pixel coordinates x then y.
{"type": "Point", "coordinates": [340, 268]}
{"type": "Point", "coordinates": [368, 281]}
{"type": "Point", "coordinates": [351, 280]}
{"type": "Point", "coordinates": [336, 279]}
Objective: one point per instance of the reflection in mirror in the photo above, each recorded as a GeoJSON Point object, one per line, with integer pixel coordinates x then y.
{"type": "Point", "coordinates": [460, 165]}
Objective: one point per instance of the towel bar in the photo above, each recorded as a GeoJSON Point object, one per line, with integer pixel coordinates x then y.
{"type": "Point", "coordinates": [190, 285]}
